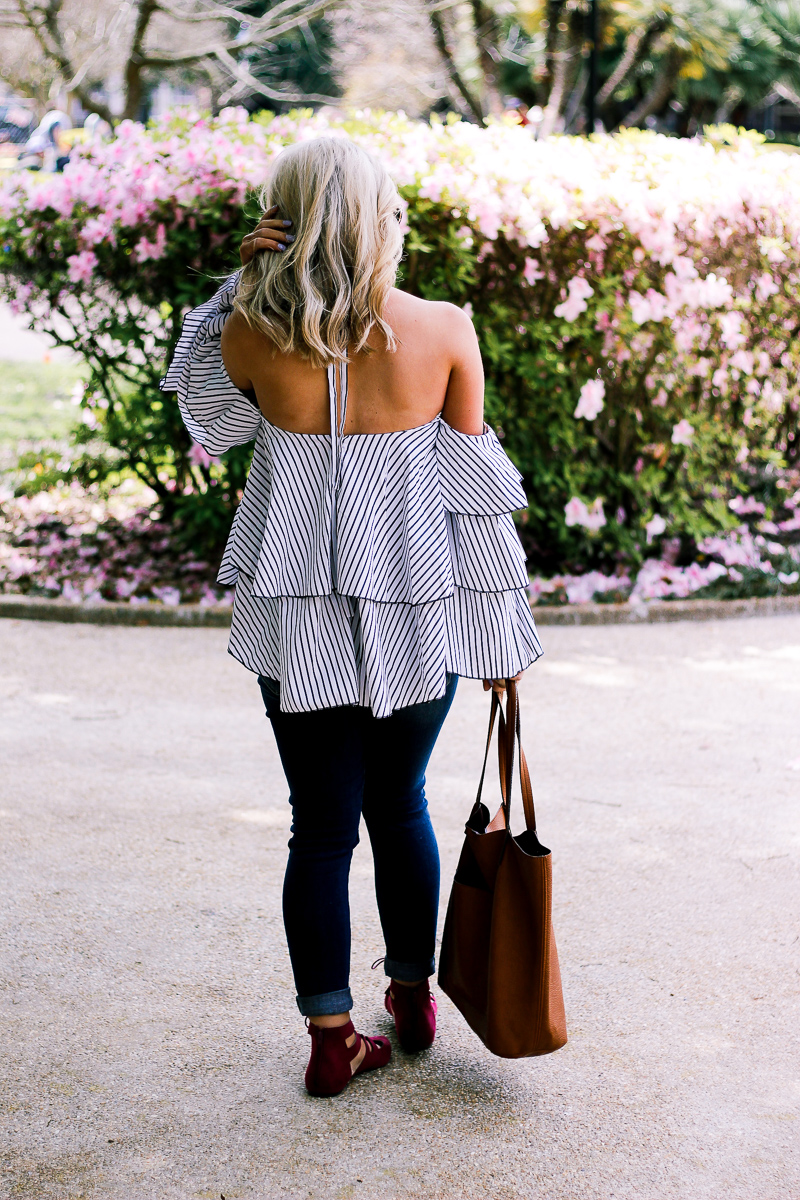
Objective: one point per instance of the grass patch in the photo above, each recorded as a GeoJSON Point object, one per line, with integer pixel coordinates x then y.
{"type": "Point", "coordinates": [35, 402]}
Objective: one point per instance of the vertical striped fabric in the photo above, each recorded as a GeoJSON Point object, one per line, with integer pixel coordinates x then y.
{"type": "Point", "coordinates": [366, 566]}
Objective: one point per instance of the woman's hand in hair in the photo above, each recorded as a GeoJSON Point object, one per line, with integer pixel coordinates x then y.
{"type": "Point", "coordinates": [270, 234]}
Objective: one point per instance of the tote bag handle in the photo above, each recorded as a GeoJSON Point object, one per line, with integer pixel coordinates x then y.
{"type": "Point", "coordinates": [508, 733]}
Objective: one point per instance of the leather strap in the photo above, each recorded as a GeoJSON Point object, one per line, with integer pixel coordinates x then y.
{"type": "Point", "coordinates": [494, 710]}
{"type": "Point", "coordinates": [509, 733]}
{"type": "Point", "coordinates": [525, 783]}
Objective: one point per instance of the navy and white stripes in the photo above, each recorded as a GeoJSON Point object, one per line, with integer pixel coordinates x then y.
{"type": "Point", "coordinates": [367, 566]}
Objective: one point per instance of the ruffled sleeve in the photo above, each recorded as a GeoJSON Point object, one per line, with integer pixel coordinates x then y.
{"type": "Point", "coordinates": [480, 489]}
{"type": "Point", "coordinates": [491, 632]}
{"type": "Point", "coordinates": [216, 413]}
{"type": "Point", "coordinates": [476, 475]}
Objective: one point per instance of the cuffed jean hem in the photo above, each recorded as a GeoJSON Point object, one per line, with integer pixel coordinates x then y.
{"type": "Point", "coordinates": [326, 1005]}
{"type": "Point", "coordinates": [409, 972]}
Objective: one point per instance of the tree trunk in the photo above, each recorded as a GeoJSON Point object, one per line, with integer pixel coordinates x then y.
{"type": "Point", "coordinates": [440, 37]}
{"type": "Point", "coordinates": [659, 93]}
{"type": "Point", "coordinates": [562, 58]}
{"type": "Point", "coordinates": [573, 105]}
{"type": "Point", "coordinates": [133, 67]}
{"type": "Point", "coordinates": [554, 8]}
{"type": "Point", "coordinates": [634, 44]}
{"type": "Point", "coordinates": [730, 100]}
{"type": "Point", "coordinates": [487, 32]}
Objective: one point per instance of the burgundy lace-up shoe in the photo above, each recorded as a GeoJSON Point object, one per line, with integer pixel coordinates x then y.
{"type": "Point", "coordinates": [336, 1057]}
{"type": "Point", "coordinates": [414, 1012]}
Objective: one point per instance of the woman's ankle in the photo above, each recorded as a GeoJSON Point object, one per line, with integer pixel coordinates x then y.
{"type": "Point", "coordinates": [404, 983]}
{"type": "Point", "coordinates": [330, 1020]}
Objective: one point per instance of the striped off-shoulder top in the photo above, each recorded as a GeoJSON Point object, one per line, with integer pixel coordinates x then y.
{"type": "Point", "coordinates": [367, 566]}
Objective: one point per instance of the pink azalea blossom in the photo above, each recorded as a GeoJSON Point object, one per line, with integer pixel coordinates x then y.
{"type": "Point", "coordinates": [532, 271]}
{"type": "Point", "coordinates": [655, 527]}
{"type": "Point", "coordinates": [731, 326]}
{"type": "Point", "coordinates": [577, 513]}
{"type": "Point", "coordinates": [745, 504]}
{"type": "Point", "coordinates": [575, 304]}
{"type": "Point", "coordinates": [167, 595]}
{"type": "Point", "coordinates": [80, 267]}
{"type": "Point", "coordinates": [770, 398]}
{"type": "Point", "coordinates": [145, 249]}
{"type": "Point", "coordinates": [682, 433]}
{"type": "Point", "coordinates": [590, 402]}
{"type": "Point", "coordinates": [766, 287]}
{"type": "Point", "coordinates": [744, 361]}
{"type": "Point", "coordinates": [200, 456]}
{"type": "Point", "coordinates": [651, 307]}
{"type": "Point", "coordinates": [660, 580]}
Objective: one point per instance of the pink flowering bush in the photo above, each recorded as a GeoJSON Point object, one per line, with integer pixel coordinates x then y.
{"type": "Point", "coordinates": [757, 558]}
{"type": "Point", "coordinates": [636, 298]}
{"type": "Point", "coordinates": [74, 544]}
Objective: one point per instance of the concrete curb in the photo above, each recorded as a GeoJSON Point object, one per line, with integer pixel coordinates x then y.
{"type": "Point", "coordinates": [33, 608]}
{"type": "Point", "coordinates": [658, 611]}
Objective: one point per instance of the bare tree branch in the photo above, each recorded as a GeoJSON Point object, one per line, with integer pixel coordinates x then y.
{"type": "Point", "coordinates": [487, 36]}
{"type": "Point", "coordinates": [221, 12]}
{"type": "Point", "coordinates": [260, 88]}
{"type": "Point", "coordinates": [44, 20]}
{"type": "Point", "coordinates": [440, 37]}
{"type": "Point", "coordinates": [43, 24]}
{"type": "Point", "coordinates": [565, 55]}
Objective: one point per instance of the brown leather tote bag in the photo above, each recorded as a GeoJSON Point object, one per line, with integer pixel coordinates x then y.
{"type": "Point", "coordinates": [498, 961]}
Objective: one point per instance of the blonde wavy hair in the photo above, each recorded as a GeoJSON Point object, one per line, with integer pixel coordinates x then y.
{"type": "Point", "coordinates": [326, 292]}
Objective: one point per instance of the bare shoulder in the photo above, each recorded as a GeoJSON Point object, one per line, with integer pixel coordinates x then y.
{"type": "Point", "coordinates": [445, 334]}
{"type": "Point", "coordinates": [447, 320]}
{"type": "Point", "coordinates": [241, 346]}
{"type": "Point", "coordinates": [238, 334]}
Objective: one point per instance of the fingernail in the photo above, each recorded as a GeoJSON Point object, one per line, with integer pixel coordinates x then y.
{"type": "Point", "coordinates": [287, 223]}
{"type": "Point", "coordinates": [289, 237]}
{"type": "Point", "coordinates": [281, 247]}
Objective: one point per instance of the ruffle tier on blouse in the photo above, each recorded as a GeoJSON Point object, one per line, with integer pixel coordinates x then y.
{"type": "Point", "coordinates": [368, 584]}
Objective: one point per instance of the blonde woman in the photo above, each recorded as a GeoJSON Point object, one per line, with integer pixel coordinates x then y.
{"type": "Point", "coordinates": [374, 556]}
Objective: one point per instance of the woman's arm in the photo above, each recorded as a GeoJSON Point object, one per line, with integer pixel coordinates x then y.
{"type": "Point", "coordinates": [463, 405]}
{"type": "Point", "coordinates": [237, 349]}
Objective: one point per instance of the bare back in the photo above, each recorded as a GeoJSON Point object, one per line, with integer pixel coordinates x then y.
{"type": "Point", "coordinates": [435, 369]}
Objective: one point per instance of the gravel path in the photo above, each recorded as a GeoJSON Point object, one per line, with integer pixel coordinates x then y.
{"type": "Point", "coordinates": [151, 1049]}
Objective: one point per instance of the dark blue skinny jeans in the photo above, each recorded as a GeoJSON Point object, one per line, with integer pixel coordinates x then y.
{"type": "Point", "coordinates": [340, 763]}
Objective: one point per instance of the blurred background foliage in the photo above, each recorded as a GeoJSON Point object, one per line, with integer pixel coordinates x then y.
{"type": "Point", "coordinates": [674, 65]}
